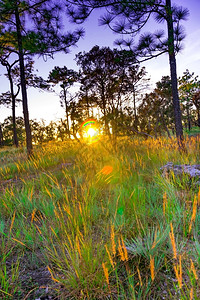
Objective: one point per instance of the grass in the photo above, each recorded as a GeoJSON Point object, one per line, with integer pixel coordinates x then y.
{"type": "Point", "coordinates": [85, 221]}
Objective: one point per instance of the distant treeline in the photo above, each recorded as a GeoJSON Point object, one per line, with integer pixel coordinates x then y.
{"type": "Point", "coordinates": [148, 114]}
{"type": "Point", "coordinates": [110, 89]}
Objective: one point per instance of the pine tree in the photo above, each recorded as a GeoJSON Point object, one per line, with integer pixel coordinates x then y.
{"type": "Point", "coordinates": [32, 27]}
{"type": "Point", "coordinates": [130, 17]}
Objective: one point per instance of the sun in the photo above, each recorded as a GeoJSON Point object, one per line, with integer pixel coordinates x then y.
{"type": "Point", "coordinates": [91, 132]}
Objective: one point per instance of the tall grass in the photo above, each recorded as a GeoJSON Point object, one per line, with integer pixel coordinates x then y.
{"type": "Point", "coordinates": [99, 222]}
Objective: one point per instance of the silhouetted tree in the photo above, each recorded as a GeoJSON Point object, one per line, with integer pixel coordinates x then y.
{"type": "Point", "coordinates": [156, 109]}
{"type": "Point", "coordinates": [13, 74]}
{"type": "Point", "coordinates": [196, 101]}
{"type": "Point", "coordinates": [164, 91]}
{"type": "Point", "coordinates": [7, 129]}
{"type": "Point", "coordinates": [131, 16]}
{"type": "Point", "coordinates": [37, 130]}
{"type": "Point", "coordinates": [76, 116]}
{"type": "Point", "coordinates": [97, 67]}
{"type": "Point", "coordinates": [11, 96]}
{"type": "Point", "coordinates": [189, 85]}
{"type": "Point", "coordinates": [62, 130]}
{"type": "Point", "coordinates": [32, 27]}
{"type": "Point", "coordinates": [136, 83]}
{"type": "Point", "coordinates": [103, 73]}
{"type": "Point", "coordinates": [86, 95]}
{"type": "Point", "coordinates": [32, 79]}
{"type": "Point", "coordinates": [66, 78]}
{"type": "Point", "coordinates": [1, 137]}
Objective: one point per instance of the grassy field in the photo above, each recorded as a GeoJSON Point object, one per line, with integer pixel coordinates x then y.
{"type": "Point", "coordinates": [85, 221]}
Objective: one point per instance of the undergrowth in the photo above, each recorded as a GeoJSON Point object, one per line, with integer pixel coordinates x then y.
{"type": "Point", "coordinates": [85, 221]}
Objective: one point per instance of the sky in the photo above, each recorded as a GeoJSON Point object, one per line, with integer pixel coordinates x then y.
{"type": "Point", "coordinates": [43, 105]}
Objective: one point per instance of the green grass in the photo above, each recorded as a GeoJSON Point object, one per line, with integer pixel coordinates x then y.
{"type": "Point", "coordinates": [85, 221]}
{"type": "Point", "coordinates": [194, 131]}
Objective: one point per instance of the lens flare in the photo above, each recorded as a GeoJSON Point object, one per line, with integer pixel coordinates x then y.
{"type": "Point", "coordinates": [107, 170]}
{"type": "Point", "coordinates": [90, 131]}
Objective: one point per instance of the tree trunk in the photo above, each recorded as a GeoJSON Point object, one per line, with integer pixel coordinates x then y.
{"type": "Point", "coordinates": [172, 62]}
{"type": "Point", "coordinates": [196, 101]}
{"type": "Point", "coordinates": [1, 137]}
{"type": "Point", "coordinates": [103, 99]}
{"type": "Point", "coordinates": [188, 118]}
{"type": "Point", "coordinates": [15, 138]}
{"type": "Point", "coordinates": [134, 108]}
{"type": "Point", "coordinates": [87, 103]}
{"type": "Point", "coordinates": [66, 111]}
{"type": "Point", "coordinates": [23, 86]}
{"type": "Point", "coordinates": [165, 125]}
{"type": "Point", "coordinates": [156, 126]}
{"type": "Point", "coordinates": [198, 121]}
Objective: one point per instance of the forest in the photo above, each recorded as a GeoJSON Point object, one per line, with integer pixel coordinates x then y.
{"type": "Point", "coordinates": [104, 202]}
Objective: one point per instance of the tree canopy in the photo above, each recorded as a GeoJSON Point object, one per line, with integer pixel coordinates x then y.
{"type": "Point", "coordinates": [130, 17]}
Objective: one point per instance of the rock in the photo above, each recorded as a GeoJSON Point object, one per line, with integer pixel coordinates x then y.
{"type": "Point", "coordinates": [192, 170]}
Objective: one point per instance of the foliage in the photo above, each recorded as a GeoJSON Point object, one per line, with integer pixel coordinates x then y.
{"type": "Point", "coordinates": [66, 77]}
{"type": "Point", "coordinates": [108, 78]}
{"type": "Point", "coordinates": [156, 109]}
{"type": "Point", "coordinates": [189, 87]}
{"type": "Point", "coordinates": [41, 34]}
{"type": "Point", "coordinates": [7, 130]}
{"type": "Point", "coordinates": [13, 74]}
{"type": "Point", "coordinates": [130, 18]}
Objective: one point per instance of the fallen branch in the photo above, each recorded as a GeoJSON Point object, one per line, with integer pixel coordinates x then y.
{"type": "Point", "coordinates": [139, 132]}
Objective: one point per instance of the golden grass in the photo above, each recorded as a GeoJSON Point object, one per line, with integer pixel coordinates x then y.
{"type": "Point", "coordinates": [81, 205]}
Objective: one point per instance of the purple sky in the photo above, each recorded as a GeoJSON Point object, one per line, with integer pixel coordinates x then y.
{"type": "Point", "coordinates": [46, 105]}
